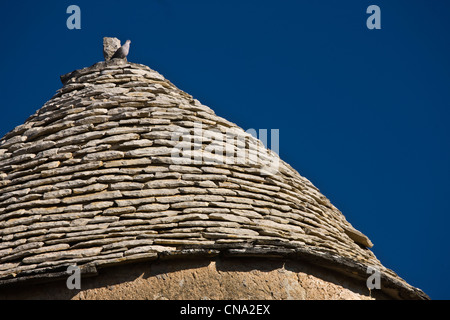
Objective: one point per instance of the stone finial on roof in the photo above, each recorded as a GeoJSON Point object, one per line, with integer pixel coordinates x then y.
{"type": "Point", "coordinates": [110, 47]}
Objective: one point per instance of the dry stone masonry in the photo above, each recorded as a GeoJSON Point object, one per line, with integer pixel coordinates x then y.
{"type": "Point", "coordinates": [110, 46]}
{"type": "Point", "coordinates": [89, 180]}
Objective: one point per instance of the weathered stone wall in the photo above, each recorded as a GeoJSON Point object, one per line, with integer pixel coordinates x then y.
{"type": "Point", "coordinates": [218, 279]}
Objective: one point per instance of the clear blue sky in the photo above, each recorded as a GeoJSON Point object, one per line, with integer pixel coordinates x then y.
{"type": "Point", "coordinates": [364, 114]}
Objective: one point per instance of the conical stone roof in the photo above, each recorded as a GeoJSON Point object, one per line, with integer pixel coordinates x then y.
{"type": "Point", "coordinates": [91, 180]}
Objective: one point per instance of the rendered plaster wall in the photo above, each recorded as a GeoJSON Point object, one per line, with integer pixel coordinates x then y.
{"type": "Point", "coordinates": [219, 279]}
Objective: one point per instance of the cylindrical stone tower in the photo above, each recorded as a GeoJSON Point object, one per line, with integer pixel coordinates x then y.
{"type": "Point", "coordinates": [152, 196]}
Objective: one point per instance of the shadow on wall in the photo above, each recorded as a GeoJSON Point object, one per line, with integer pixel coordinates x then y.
{"type": "Point", "coordinates": [216, 279]}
